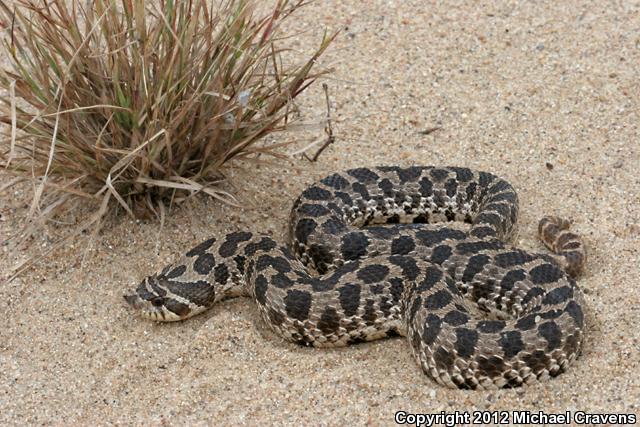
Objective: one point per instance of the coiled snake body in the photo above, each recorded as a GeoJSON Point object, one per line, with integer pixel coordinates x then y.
{"type": "Point", "coordinates": [478, 313]}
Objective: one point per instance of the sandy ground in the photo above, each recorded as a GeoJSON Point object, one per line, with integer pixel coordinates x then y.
{"type": "Point", "coordinates": [544, 94]}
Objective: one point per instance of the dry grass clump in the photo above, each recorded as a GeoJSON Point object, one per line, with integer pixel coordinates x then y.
{"type": "Point", "coordinates": [136, 104]}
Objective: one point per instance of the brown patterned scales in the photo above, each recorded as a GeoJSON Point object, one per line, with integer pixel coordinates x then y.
{"type": "Point", "coordinates": [369, 257]}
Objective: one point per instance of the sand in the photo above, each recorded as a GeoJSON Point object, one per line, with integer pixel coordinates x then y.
{"type": "Point", "coordinates": [544, 94]}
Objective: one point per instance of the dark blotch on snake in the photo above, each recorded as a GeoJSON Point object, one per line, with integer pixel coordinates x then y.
{"type": "Point", "coordinates": [485, 178]}
{"type": "Point", "coordinates": [392, 333]}
{"type": "Point", "coordinates": [393, 219]}
{"type": "Point", "coordinates": [409, 174]}
{"type": "Point", "coordinates": [456, 318]}
{"type": "Point", "coordinates": [238, 236]}
{"type": "Point", "coordinates": [335, 181]}
{"type": "Point", "coordinates": [363, 175]}
{"type": "Point", "coordinates": [509, 279]}
{"type": "Point", "coordinates": [558, 295]}
{"type": "Point", "coordinates": [177, 307]}
{"type": "Point", "coordinates": [280, 264]}
{"type": "Point", "coordinates": [440, 254]}
{"type": "Point", "coordinates": [369, 315]}
{"type": "Point", "coordinates": [432, 275]}
{"type": "Point", "coordinates": [409, 266]}
{"type": "Point", "coordinates": [460, 307]}
{"type": "Point", "coordinates": [426, 187]}
{"type": "Point", "coordinates": [475, 265]}
{"type": "Point", "coordinates": [433, 237]}
{"type": "Point", "coordinates": [260, 289]}
{"type": "Point", "coordinates": [451, 187]}
{"type": "Point", "coordinates": [361, 189]}
{"type": "Point", "coordinates": [466, 340]}
{"type": "Point", "coordinates": [264, 262]}
{"type": "Point", "coordinates": [511, 343]}
{"type": "Point", "coordinates": [439, 175]}
{"type": "Point", "coordinates": [403, 245]}
{"type": "Point", "coordinates": [357, 340]}
{"type": "Point", "coordinates": [415, 306]}
{"type": "Point", "coordinates": [297, 304]}
{"type": "Point", "coordinates": [230, 245]}
{"type": "Point", "coordinates": [463, 174]}
{"type": "Point", "coordinates": [475, 247]}
{"type": "Point", "coordinates": [422, 218]}
{"type": "Point", "coordinates": [527, 322]}
{"type": "Point", "coordinates": [346, 198]}
{"type": "Point", "coordinates": [281, 281]}
{"type": "Point", "coordinates": [439, 299]}
{"type": "Point", "coordinates": [531, 295]}
{"type": "Point", "coordinates": [304, 228]}
{"type": "Point", "coordinates": [334, 226]}
{"type": "Point", "coordinates": [239, 260]}
{"type": "Point", "coordinates": [386, 186]}
{"type": "Point", "coordinates": [221, 273]}
{"type": "Point", "coordinates": [313, 210]}
{"type": "Point", "coordinates": [482, 231]}
{"type": "Point", "coordinates": [316, 193]}
{"type": "Point", "coordinates": [201, 248]}
{"type": "Point", "coordinates": [552, 333]}
{"type": "Point", "coordinates": [575, 311]}
{"type": "Point", "coordinates": [471, 190]}
{"type": "Point", "coordinates": [349, 298]}
{"type": "Point", "coordinates": [512, 258]}
{"type": "Point", "coordinates": [397, 287]}
{"type": "Point", "coordinates": [545, 273]}
{"type": "Point", "coordinates": [265, 244]}
{"type": "Point", "coordinates": [564, 238]}
{"type": "Point", "coordinates": [431, 329]}
{"type": "Point", "coordinates": [354, 245]}
{"type": "Point", "coordinates": [329, 322]}
{"type": "Point", "coordinates": [373, 273]}
{"type": "Point", "coordinates": [204, 264]}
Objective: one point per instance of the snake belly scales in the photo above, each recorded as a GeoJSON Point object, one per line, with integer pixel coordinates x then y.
{"type": "Point", "coordinates": [370, 255]}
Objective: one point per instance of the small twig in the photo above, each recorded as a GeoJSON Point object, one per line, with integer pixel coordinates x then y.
{"type": "Point", "coordinates": [328, 129]}
{"type": "Point", "coordinates": [429, 131]}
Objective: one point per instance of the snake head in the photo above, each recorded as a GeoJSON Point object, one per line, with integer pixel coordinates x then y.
{"type": "Point", "coordinates": [153, 300]}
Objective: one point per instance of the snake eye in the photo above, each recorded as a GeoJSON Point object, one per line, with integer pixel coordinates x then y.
{"type": "Point", "coordinates": [157, 301]}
